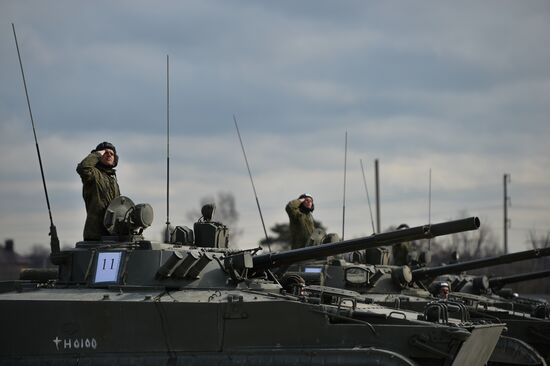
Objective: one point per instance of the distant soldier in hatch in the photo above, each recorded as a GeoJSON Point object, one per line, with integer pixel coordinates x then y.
{"type": "Point", "coordinates": [400, 251]}
{"type": "Point", "coordinates": [443, 292]}
{"type": "Point", "coordinates": [99, 188]}
{"type": "Point", "coordinates": [301, 220]}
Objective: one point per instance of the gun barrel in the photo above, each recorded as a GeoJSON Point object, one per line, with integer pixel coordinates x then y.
{"type": "Point", "coordinates": [432, 272]}
{"type": "Point", "coordinates": [499, 282]}
{"type": "Point", "coordinates": [376, 240]}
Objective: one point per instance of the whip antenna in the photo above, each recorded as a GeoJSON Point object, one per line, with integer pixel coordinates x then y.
{"type": "Point", "coordinates": [344, 199]}
{"type": "Point", "coordinates": [54, 240]}
{"type": "Point", "coordinates": [430, 205]}
{"type": "Point", "coordinates": [167, 235]}
{"type": "Point", "coordinates": [252, 182]}
{"type": "Point", "coordinates": [367, 191]}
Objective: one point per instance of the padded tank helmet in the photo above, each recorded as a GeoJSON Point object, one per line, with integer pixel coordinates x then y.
{"type": "Point", "coordinates": [107, 145]}
{"type": "Point", "coordinates": [302, 207]}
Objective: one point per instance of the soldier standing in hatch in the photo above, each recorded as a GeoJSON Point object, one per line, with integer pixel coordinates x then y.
{"type": "Point", "coordinates": [99, 187]}
{"type": "Point", "coordinates": [301, 220]}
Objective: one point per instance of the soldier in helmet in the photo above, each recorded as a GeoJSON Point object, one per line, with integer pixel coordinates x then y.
{"type": "Point", "coordinates": [443, 292]}
{"type": "Point", "coordinates": [99, 187]}
{"type": "Point", "coordinates": [301, 220]}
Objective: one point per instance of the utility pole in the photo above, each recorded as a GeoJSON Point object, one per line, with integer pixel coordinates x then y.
{"type": "Point", "coordinates": [377, 189]}
{"type": "Point", "coordinates": [344, 199]}
{"type": "Point", "coordinates": [507, 203]}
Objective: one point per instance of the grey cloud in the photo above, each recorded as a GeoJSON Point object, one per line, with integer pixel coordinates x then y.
{"type": "Point", "coordinates": [461, 88]}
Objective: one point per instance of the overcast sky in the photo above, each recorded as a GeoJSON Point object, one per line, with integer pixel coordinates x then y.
{"type": "Point", "coordinates": [461, 88]}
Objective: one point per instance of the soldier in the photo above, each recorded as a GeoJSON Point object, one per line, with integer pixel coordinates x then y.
{"type": "Point", "coordinates": [99, 187]}
{"type": "Point", "coordinates": [400, 251]}
{"type": "Point", "coordinates": [301, 221]}
{"type": "Point", "coordinates": [443, 291]}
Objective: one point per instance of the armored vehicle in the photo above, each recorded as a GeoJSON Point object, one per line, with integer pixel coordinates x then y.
{"type": "Point", "coordinates": [536, 307]}
{"type": "Point", "coordinates": [521, 325]}
{"type": "Point", "coordinates": [490, 287]}
{"type": "Point", "coordinates": [526, 319]}
{"type": "Point", "coordinates": [493, 288]}
{"type": "Point", "coordinates": [126, 300]}
{"type": "Point", "coordinates": [399, 287]}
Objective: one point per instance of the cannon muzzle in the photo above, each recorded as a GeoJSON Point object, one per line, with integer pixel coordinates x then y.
{"type": "Point", "coordinates": [425, 273]}
{"type": "Point", "coordinates": [270, 260]}
{"type": "Point", "coordinates": [496, 283]}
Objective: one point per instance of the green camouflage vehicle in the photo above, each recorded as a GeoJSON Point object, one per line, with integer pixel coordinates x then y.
{"type": "Point", "coordinates": [526, 319]}
{"type": "Point", "coordinates": [505, 298]}
{"type": "Point", "coordinates": [400, 288]}
{"type": "Point", "coordinates": [126, 300]}
{"type": "Point", "coordinates": [538, 308]}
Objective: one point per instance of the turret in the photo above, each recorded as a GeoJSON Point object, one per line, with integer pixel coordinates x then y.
{"type": "Point", "coordinates": [140, 262]}
{"type": "Point", "coordinates": [271, 260]}
{"type": "Point", "coordinates": [425, 273]}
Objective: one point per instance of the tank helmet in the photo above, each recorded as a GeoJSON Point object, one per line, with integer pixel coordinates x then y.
{"type": "Point", "coordinates": [302, 207]}
{"type": "Point", "coordinates": [443, 285]}
{"type": "Point", "coordinates": [107, 145]}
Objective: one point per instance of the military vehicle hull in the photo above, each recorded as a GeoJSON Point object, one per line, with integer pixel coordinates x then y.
{"type": "Point", "coordinates": [129, 301]}
{"type": "Point", "coordinates": [135, 327]}
{"type": "Point", "coordinates": [534, 330]}
{"type": "Point", "coordinates": [520, 344]}
{"type": "Point", "coordinates": [536, 307]}
{"type": "Point", "coordinates": [517, 347]}
{"type": "Point", "coordinates": [491, 288]}
{"type": "Point", "coordinates": [531, 330]}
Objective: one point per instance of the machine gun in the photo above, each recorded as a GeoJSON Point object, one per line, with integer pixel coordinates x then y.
{"type": "Point", "coordinates": [427, 273]}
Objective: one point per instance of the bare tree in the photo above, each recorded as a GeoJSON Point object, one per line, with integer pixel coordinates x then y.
{"type": "Point", "coordinates": [481, 243]}
{"type": "Point", "coordinates": [474, 244]}
{"type": "Point", "coordinates": [468, 245]}
{"type": "Point", "coordinates": [39, 257]}
{"type": "Point", "coordinates": [536, 241]}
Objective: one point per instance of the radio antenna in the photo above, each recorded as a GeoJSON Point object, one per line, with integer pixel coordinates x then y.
{"type": "Point", "coordinates": [368, 198]}
{"type": "Point", "coordinates": [252, 182]}
{"type": "Point", "coordinates": [430, 205]}
{"type": "Point", "coordinates": [54, 240]}
{"type": "Point", "coordinates": [344, 198]}
{"type": "Point", "coordinates": [167, 234]}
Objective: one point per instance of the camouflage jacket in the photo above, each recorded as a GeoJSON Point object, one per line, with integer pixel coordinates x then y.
{"type": "Point", "coordinates": [301, 224]}
{"type": "Point", "coordinates": [99, 188]}
{"type": "Point", "coordinates": [400, 253]}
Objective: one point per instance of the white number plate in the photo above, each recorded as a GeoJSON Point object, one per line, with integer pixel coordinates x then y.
{"type": "Point", "coordinates": [107, 267]}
